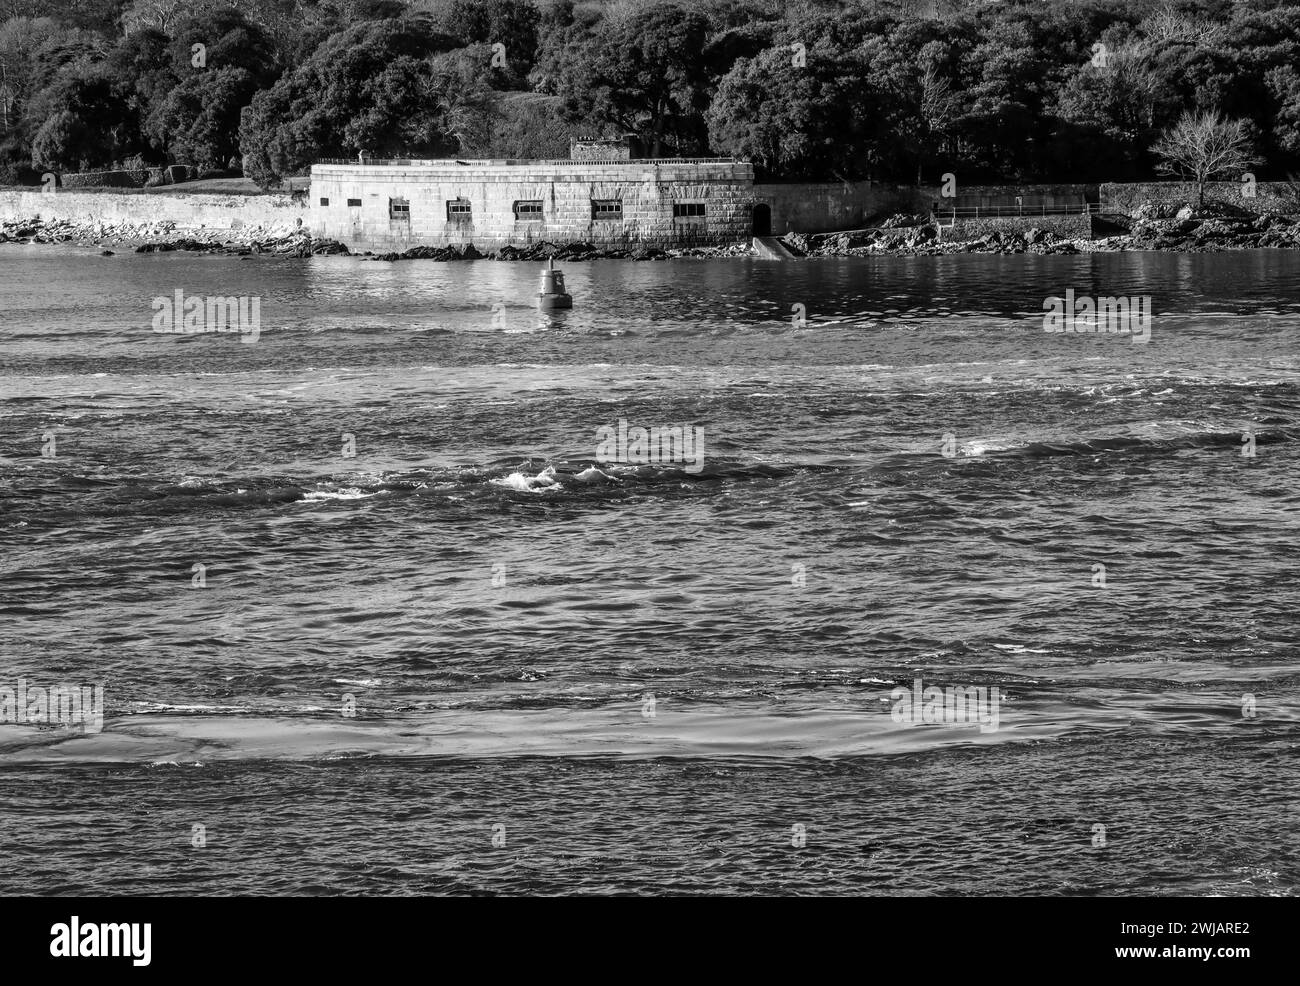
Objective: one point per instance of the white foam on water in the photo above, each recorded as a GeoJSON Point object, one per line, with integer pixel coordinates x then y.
{"type": "Point", "coordinates": [543, 482]}
{"type": "Point", "coordinates": [593, 475]}
{"type": "Point", "coordinates": [347, 493]}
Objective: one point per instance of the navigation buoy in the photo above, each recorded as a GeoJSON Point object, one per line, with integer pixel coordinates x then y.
{"type": "Point", "coordinates": [553, 294]}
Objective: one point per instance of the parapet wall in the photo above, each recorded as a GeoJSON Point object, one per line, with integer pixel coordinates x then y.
{"type": "Point", "coordinates": [1027, 197]}
{"type": "Point", "coordinates": [278, 213]}
{"type": "Point", "coordinates": [827, 207]}
{"type": "Point", "coordinates": [393, 207]}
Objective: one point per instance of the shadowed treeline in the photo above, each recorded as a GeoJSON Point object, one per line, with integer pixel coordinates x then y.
{"type": "Point", "coordinates": [1001, 90]}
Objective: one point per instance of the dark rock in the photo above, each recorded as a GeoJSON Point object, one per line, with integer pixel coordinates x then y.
{"type": "Point", "coordinates": [797, 243]}
{"type": "Point", "coordinates": [1215, 229]}
{"type": "Point", "coordinates": [106, 253]}
{"type": "Point", "coordinates": [904, 219]}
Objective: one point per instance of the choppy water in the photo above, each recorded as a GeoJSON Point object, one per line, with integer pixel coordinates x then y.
{"type": "Point", "coordinates": [499, 610]}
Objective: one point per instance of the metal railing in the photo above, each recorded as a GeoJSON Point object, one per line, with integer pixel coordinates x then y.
{"type": "Point", "coordinates": [546, 162]}
{"type": "Point", "coordinates": [999, 211]}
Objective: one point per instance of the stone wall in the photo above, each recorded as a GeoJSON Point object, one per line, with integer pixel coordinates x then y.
{"type": "Point", "coordinates": [801, 207]}
{"type": "Point", "coordinates": [647, 191]}
{"type": "Point", "coordinates": [274, 213]}
{"type": "Point", "coordinates": [1071, 227]}
{"type": "Point", "coordinates": [834, 206]}
{"type": "Point", "coordinates": [1270, 196]}
{"type": "Point", "coordinates": [1004, 197]}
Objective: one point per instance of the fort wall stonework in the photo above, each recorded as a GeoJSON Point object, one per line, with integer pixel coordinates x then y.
{"type": "Point", "coordinates": [270, 213]}
{"type": "Point", "coordinates": [611, 204]}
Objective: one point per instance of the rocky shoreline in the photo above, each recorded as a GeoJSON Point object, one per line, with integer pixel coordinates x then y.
{"type": "Point", "coordinates": [164, 237]}
{"type": "Point", "coordinates": [1181, 228]}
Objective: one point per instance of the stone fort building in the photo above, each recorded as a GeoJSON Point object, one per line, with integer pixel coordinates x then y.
{"type": "Point", "coordinates": [603, 194]}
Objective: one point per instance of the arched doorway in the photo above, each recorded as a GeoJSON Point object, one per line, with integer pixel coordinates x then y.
{"type": "Point", "coordinates": [762, 219]}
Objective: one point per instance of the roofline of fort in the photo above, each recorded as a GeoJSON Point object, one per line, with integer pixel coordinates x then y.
{"type": "Point", "coordinates": [522, 162]}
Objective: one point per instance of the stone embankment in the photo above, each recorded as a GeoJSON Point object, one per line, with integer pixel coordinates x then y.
{"type": "Point", "coordinates": [1175, 227]}
{"type": "Point", "coordinates": [164, 236]}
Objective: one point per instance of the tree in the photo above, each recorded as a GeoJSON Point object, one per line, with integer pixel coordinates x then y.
{"type": "Point", "coordinates": [143, 68]}
{"type": "Point", "coordinates": [371, 87]}
{"type": "Point", "coordinates": [511, 23]}
{"type": "Point", "coordinates": [642, 73]}
{"type": "Point", "coordinates": [62, 143]}
{"type": "Point", "coordinates": [1008, 72]}
{"type": "Point", "coordinates": [920, 105]}
{"type": "Point", "coordinates": [937, 111]}
{"type": "Point", "coordinates": [86, 117]}
{"type": "Point", "coordinates": [1108, 113]}
{"type": "Point", "coordinates": [807, 123]}
{"type": "Point", "coordinates": [1204, 146]}
{"type": "Point", "coordinates": [198, 122]}
{"type": "Point", "coordinates": [229, 40]}
{"type": "Point", "coordinates": [466, 104]}
{"type": "Point", "coordinates": [19, 39]}
{"type": "Point", "coordinates": [1284, 86]}
{"type": "Point", "coordinates": [155, 14]}
{"type": "Point", "coordinates": [529, 125]}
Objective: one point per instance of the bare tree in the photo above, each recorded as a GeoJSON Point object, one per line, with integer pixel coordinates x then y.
{"type": "Point", "coordinates": [7, 94]}
{"type": "Point", "coordinates": [1168, 26]}
{"type": "Point", "coordinates": [150, 13]}
{"type": "Point", "coordinates": [938, 108]}
{"type": "Point", "coordinates": [1205, 146]}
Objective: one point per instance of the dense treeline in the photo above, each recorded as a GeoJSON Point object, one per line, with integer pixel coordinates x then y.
{"type": "Point", "coordinates": [997, 90]}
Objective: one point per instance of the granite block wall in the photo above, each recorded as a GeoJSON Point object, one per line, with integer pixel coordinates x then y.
{"type": "Point", "coordinates": [362, 205]}
{"type": "Point", "coordinates": [278, 213]}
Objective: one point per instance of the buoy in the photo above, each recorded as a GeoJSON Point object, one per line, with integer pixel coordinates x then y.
{"type": "Point", "coordinates": [553, 294]}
